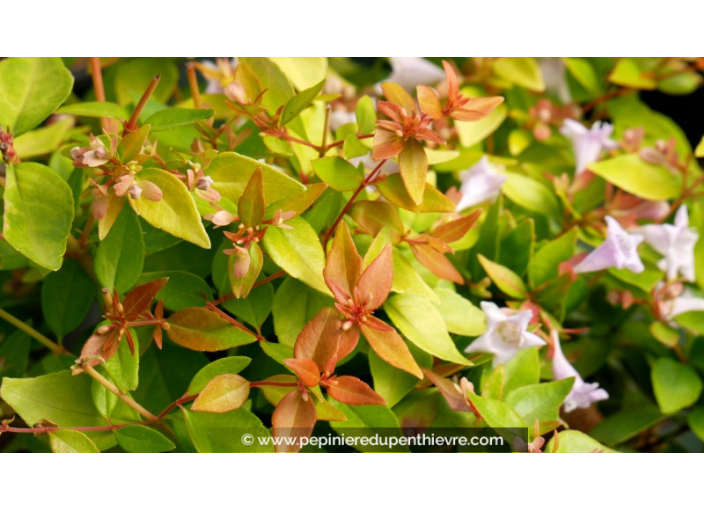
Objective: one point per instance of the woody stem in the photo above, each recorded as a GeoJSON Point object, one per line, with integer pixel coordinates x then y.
{"type": "Point", "coordinates": [55, 348]}
{"type": "Point", "coordinates": [120, 394]}
{"type": "Point", "coordinates": [368, 180]}
{"type": "Point", "coordinates": [132, 123]}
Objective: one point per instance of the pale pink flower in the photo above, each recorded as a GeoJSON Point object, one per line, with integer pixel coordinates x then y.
{"type": "Point", "coordinates": [480, 183]}
{"type": "Point", "coordinates": [619, 250]}
{"type": "Point", "coordinates": [588, 143]}
{"type": "Point", "coordinates": [583, 394]}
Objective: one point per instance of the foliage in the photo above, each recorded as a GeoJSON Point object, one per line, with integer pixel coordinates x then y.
{"type": "Point", "coordinates": [282, 248]}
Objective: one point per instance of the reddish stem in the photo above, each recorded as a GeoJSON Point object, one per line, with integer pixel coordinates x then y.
{"type": "Point", "coordinates": [368, 180]}
{"type": "Point", "coordinates": [132, 123]}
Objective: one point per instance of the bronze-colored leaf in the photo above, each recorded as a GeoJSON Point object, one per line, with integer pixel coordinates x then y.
{"type": "Point", "coordinates": [456, 229]}
{"type": "Point", "coordinates": [343, 265]}
{"type": "Point", "coordinates": [224, 393]}
{"type": "Point", "coordinates": [137, 301]}
{"type": "Point", "coordinates": [374, 216]}
{"type": "Point", "coordinates": [452, 395]}
{"type": "Point", "coordinates": [390, 347]}
{"type": "Point", "coordinates": [306, 370]}
{"type": "Point", "coordinates": [293, 419]}
{"type": "Point", "coordinates": [352, 391]}
{"type": "Point", "coordinates": [396, 94]}
{"type": "Point", "coordinates": [429, 102]}
{"type": "Point", "coordinates": [200, 329]}
{"type": "Point", "coordinates": [386, 145]}
{"type": "Point", "coordinates": [437, 263]}
{"type": "Point", "coordinates": [319, 339]}
{"type": "Point", "coordinates": [375, 283]}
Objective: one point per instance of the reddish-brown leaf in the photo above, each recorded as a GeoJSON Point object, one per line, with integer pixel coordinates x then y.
{"type": "Point", "coordinates": [386, 145]}
{"type": "Point", "coordinates": [413, 164]}
{"type": "Point", "coordinates": [437, 263]}
{"type": "Point", "coordinates": [452, 395]}
{"type": "Point", "coordinates": [224, 393]}
{"type": "Point", "coordinates": [352, 391]}
{"type": "Point", "coordinates": [374, 285]}
{"type": "Point", "coordinates": [429, 102]}
{"type": "Point", "coordinates": [476, 108]}
{"type": "Point", "coordinates": [395, 93]}
{"type": "Point", "coordinates": [346, 343]}
{"type": "Point", "coordinates": [319, 339]}
{"type": "Point", "coordinates": [452, 83]}
{"type": "Point", "coordinates": [93, 353]}
{"type": "Point", "coordinates": [306, 370]}
{"type": "Point", "coordinates": [343, 265]}
{"type": "Point", "coordinates": [293, 419]}
{"type": "Point", "coordinates": [201, 329]}
{"type": "Point", "coordinates": [374, 216]}
{"type": "Point", "coordinates": [251, 206]}
{"type": "Point", "coordinates": [391, 348]}
{"type": "Point", "coordinates": [456, 229]}
{"type": "Point", "coordinates": [137, 301]}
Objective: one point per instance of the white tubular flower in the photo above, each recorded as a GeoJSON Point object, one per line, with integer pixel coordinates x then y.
{"type": "Point", "coordinates": [505, 335]}
{"type": "Point", "coordinates": [676, 243]}
{"type": "Point", "coordinates": [588, 143]}
{"type": "Point", "coordinates": [480, 183]}
{"type": "Point", "coordinates": [583, 394]}
{"type": "Point", "coordinates": [619, 250]}
{"type": "Point", "coordinates": [411, 71]}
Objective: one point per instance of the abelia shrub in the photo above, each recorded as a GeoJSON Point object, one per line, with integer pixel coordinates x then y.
{"type": "Point", "coordinates": [273, 249]}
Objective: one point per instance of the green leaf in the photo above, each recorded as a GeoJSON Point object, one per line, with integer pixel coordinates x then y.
{"type": "Point", "coordinates": [134, 76]}
{"type": "Point", "coordinates": [231, 172]}
{"type": "Point", "coordinates": [202, 330]}
{"type": "Point", "coordinates": [120, 256]}
{"type": "Point", "coordinates": [531, 194]}
{"type": "Point", "coordinates": [366, 115]}
{"type": "Point", "coordinates": [574, 441]}
{"type": "Point", "coordinates": [365, 421]}
{"type": "Point", "coordinates": [522, 370]}
{"type": "Point", "coordinates": [541, 402]}
{"type": "Point", "coordinates": [390, 382]}
{"type": "Point", "coordinates": [413, 164]}
{"type": "Point", "coordinates": [298, 252]}
{"type": "Point", "coordinates": [496, 413]}
{"type": "Point", "coordinates": [14, 353]}
{"type": "Point", "coordinates": [95, 109]}
{"type": "Point", "coordinates": [422, 324]}
{"type": "Point", "coordinates": [338, 173]}
{"type": "Point", "coordinates": [141, 439]}
{"type": "Point", "coordinates": [224, 393]}
{"type": "Point", "coordinates": [630, 173]}
{"type": "Point", "coordinates": [176, 212]}
{"type": "Point", "coordinates": [676, 385]}
{"type": "Point", "coordinates": [303, 72]}
{"type": "Point", "coordinates": [546, 263]}
{"type": "Point", "coordinates": [242, 286]}
{"type": "Point", "coordinates": [256, 307]}
{"type": "Point", "coordinates": [66, 298]}
{"type": "Point", "coordinates": [461, 316]}
{"type": "Point", "coordinates": [171, 118]}
{"type": "Point", "coordinates": [58, 397]}
{"type": "Point", "coordinates": [43, 140]}
{"type": "Point", "coordinates": [583, 72]}
{"type": "Point", "coordinates": [71, 441]}
{"type": "Point", "coordinates": [31, 89]}
{"type": "Point", "coordinates": [295, 304]}
{"type": "Point", "coordinates": [505, 279]}
{"type": "Point", "coordinates": [131, 144]}
{"type": "Point", "coordinates": [407, 280]}
{"type": "Point", "coordinates": [627, 424]}
{"type": "Point", "coordinates": [696, 422]}
{"type": "Point", "coordinates": [223, 432]}
{"type": "Point", "coordinates": [471, 133]}
{"type": "Point", "coordinates": [300, 102]}
{"type": "Point", "coordinates": [229, 365]}
{"type": "Point", "coordinates": [183, 290]}
{"type": "Point", "coordinates": [123, 367]}
{"type": "Point", "coordinates": [38, 213]}
{"type": "Point", "coordinates": [628, 74]}
{"type": "Point", "coordinates": [493, 385]}
{"type": "Point", "coordinates": [522, 71]}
